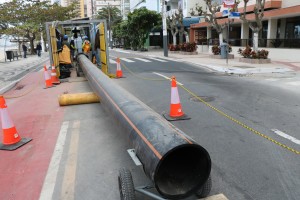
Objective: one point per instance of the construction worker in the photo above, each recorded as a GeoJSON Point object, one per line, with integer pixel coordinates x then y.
{"type": "Point", "coordinates": [72, 48]}
{"type": "Point", "coordinates": [86, 46]}
{"type": "Point", "coordinates": [78, 43]}
{"type": "Point", "coordinates": [97, 49]}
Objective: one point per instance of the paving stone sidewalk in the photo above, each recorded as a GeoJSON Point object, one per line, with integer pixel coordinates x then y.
{"type": "Point", "coordinates": [12, 71]}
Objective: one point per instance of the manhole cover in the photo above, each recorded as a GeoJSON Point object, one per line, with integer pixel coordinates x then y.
{"type": "Point", "coordinates": [19, 87]}
{"type": "Point", "coordinates": [203, 98]}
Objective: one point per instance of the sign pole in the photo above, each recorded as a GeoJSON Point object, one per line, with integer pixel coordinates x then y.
{"type": "Point", "coordinates": [165, 33]}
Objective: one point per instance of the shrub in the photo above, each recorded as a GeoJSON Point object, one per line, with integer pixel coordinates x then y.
{"type": "Point", "coordinates": [217, 49]}
{"type": "Point", "coordinates": [187, 46]}
{"type": "Point", "coordinates": [249, 53]}
{"type": "Point", "coordinates": [173, 47]}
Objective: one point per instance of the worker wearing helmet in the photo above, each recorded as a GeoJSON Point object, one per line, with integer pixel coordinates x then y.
{"type": "Point", "coordinates": [86, 46]}
{"type": "Point", "coordinates": [78, 43]}
{"type": "Point", "coordinates": [65, 41]}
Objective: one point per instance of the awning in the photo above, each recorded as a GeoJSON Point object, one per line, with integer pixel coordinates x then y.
{"type": "Point", "coordinates": [190, 20]}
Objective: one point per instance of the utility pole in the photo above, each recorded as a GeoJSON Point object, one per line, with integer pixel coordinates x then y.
{"type": "Point", "coordinates": [165, 33]}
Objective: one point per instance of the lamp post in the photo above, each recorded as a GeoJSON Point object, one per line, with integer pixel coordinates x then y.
{"type": "Point", "coordinates": [165, 33]}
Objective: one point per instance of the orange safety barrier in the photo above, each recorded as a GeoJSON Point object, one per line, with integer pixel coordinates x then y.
{"type": "Point", "coordinates": [119, 73]}
{"type": "Point", "coordinates": [54, 78]}
{"type": "Point", "coordinates": [11, 138]}
{"type": "Point", "coordinates": [48, 81]}
{"type": "Point", "coordinates": [176, 112]}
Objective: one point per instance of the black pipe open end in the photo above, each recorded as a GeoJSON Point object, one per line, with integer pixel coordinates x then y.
{"type": "Point", "coordinates": [182, 171]}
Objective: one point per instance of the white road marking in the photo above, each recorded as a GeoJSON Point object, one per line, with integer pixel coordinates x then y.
{"type": "Point", "coordinates": [50, 180]}
{"type": "Point", "coordinates": [286, 136]}
{"type": "Point", "coordinates": [141, 59]}
{"type": "Point", "coordinates": [68, 185]}
{"type": "Point", "coordinates": [122, 51]}
{"type": "Point", "coordinates": [126, 60]}
{"type": "Point", "coordinates": [166, 77]}
{"type": "Point", "coordinates": [159, 60]}
{"type": "Point", "coordinates": [112, 61]}
{"type": "Point", "coordinates": [295, 83]}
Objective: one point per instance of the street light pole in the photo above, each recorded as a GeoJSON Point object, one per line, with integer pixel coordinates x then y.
{"type": "Point", "coordinates": [165, 33]}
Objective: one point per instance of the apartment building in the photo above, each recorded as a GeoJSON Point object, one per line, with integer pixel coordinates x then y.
{"type": "Point", "coordinates": [105, 3]}
{"type": "Point", "coordinates": [281, 26]}
{"type": "Point", "coordinates": [79, 6]}
{"type": "Point", "coordinates": [149, 4]}
{"type": "Point", "coordinates": [125, 8]}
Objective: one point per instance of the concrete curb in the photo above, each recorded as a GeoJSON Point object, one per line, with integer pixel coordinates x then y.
{"type": "Point", "coordinates": [9, 84]}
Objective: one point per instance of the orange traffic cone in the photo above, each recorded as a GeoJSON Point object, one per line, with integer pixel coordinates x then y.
{"type": "Point", "coordinates": [54, 78]}
{"type": "Point", "coordinates": [176, 112]}
{"type": "Point", "coordinates": [48, 82]}
{"type": "Point", "coordinates": [119, 73]}
{"type": "Point", "coordinates": [11, 138]}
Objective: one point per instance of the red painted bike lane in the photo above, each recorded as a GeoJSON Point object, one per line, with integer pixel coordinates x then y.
{"type": "Point", "coordinates": [36, 114]}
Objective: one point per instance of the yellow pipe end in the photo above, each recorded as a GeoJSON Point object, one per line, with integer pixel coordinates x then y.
{"type": "Point", "coordinates": [78, 98]}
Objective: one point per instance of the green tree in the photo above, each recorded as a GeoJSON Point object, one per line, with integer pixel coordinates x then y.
{"type": "Point", "coordinates": [112, 15]}
{"type": "Point", "coordinates": [23, 18]}
{"type": "Point", "coordinates": [140, 23]}
{"type": "Point", "coordinates": [255, 25]}
{"type": "Point", "coordinates": [121, 34]}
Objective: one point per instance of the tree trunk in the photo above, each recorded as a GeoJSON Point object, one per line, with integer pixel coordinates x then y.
{"type": "Point", "coordinates": [220, 38]}
{"type": "Point", "coordinates": [31, 46]}
{"type": "Point", "coordinates": [187, 39]}
{"type": "Point", "coordinates": [180, 37]}
{"type": "Point", "coordinates": [174, 39]}
{"type": "Point", "coordinates": [255, 41]}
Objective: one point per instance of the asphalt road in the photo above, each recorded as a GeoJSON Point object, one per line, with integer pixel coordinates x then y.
{"type": "Point", "coordinates": [249, 125]}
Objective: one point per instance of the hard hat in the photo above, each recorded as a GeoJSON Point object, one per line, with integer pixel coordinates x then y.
{"type": "Point", "coordinates": [65, 37]}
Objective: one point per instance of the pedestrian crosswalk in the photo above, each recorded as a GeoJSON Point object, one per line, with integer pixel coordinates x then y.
{"type": "Point", "coordinates": [132, 60]}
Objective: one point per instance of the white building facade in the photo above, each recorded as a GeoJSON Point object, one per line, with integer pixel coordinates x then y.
{"type": "Point", "coordinates": [99, 4]}
{"type": "Point", "coordinates": [281, 26]}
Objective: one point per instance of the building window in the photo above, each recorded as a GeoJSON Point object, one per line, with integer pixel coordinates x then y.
{"type": "Point", "coordinates": [200, 36]}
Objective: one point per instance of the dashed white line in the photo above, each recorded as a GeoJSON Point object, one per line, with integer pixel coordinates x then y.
{"type": "Point", "coordinates": [158, 60]}
{"type": "Point", "coordinates": [126, 60]}
{"type": "Point", "coordinates": [166, 77]}
{"type": "Point", "coordinates": [141, 59]}
{"type": "Point", "coordinates": [112, 61]}
{"type": "Point", "coordinates": [286, 136]}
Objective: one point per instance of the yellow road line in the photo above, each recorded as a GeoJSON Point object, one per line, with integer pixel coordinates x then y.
{"type": "Point", "coordinates": [241, 124]}
{"type": "Point", "coordinates": [223, 114]}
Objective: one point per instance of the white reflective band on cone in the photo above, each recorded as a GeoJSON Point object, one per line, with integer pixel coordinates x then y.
{"type": "Point", "coordinates": [174, 96]}
{"type": "Point", "coordinates": [6, 121]}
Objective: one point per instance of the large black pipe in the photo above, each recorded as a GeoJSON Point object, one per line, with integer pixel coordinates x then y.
{"type": "Point", "coordinates": [174, 162]}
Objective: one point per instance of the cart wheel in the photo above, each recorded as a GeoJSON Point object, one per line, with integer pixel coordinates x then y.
{"type": "Point", "coordinates": [126, 187]}
{"type": "Point", "coordinates": [205, 189]}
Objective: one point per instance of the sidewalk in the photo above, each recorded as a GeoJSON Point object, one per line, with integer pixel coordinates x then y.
{"type": "Point", "coordinates": [230, 66]}
{"type": "Point", "coordinates": [12, 72]}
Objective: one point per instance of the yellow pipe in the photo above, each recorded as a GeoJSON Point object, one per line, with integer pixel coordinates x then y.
{"type": "Point", "coordinates": [78, 98]}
